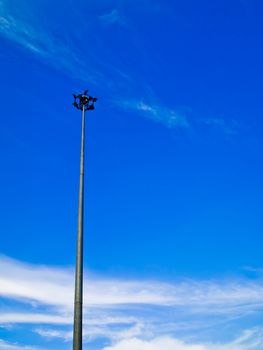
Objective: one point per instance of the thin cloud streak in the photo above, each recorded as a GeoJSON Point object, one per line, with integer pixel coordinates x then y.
{"type": "Point", "coordinates": [156, 112]}
{"type": "Point", "coordinates": [229, 128]}
{"type": "Point", "coordinates": [66, 319]}
{"type": "Point", "coordinates": [33, 318]}
{"type": "Point", "coordinates": [112, 17]}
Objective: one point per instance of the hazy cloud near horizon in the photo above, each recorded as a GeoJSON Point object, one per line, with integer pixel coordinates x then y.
{"type": "Point", "coordinates": [128, 312]}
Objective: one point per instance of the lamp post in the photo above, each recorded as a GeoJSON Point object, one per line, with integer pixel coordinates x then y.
{"type": "Point", "coordinates": [84, 103]}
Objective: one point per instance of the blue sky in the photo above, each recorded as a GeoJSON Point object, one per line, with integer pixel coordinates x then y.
{"type": "Point", "coordinates": [173, 196]}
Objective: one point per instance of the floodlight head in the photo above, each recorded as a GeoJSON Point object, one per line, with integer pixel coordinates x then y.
{"type": "Point", "coordinates": [84, 101]}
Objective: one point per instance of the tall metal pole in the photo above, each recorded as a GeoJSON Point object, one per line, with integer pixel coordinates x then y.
{"type": "Point", "coordinates": [84, 103]}
{"type": "Point", "coordinates": [77, 333]}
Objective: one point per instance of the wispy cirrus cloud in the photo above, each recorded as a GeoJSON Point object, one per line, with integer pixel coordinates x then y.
{"type": "Point", "coordinates": [112, 17]}
{"type": "Point", "coordinates": [54, 51]}
{"type": "Point", "coordinates": [229, 128]}
{"type": "Point", "coordinates": [156, 112]}
{"type": "Point", "coordinates": [100, 67]}
{"type": "Point", "coordinates": [181, 118]}
{"type": "Point", "coordinates": [24, 26]}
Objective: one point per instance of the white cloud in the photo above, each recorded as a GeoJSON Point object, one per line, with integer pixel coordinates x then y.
{"type": "Point", "coordinates": [112, 17]}
{"type": "Point", "coordinates": [128, 312]}
{"type": "Point", "coordinates": [63, 55]}
{"type": "Point", "coordinates": [118, 308]}
{"type": "Point", "coordinates": [27, 318]}
{"type": "Point", "coordinates": [228, 127]}
{"type": "Point", "coordinates": [53, 333]}
{"type": "Point", "coordinates": [27, 29]}
{"type": "Point", "coordinates": [41, 284]}
{"type": "Point", "coordinates": [156, 344]}
{"type": "Point", "coordinates": [167, 116]}
{"type": "Point", "coordinates": [54, 286]}
{"type": "Point", "coordinates": [12, 346]}
{"type": "Point", "coordinates": [92, 331]}
{"type": "Point", "coordinates": [24, 26]}
{"type": "Point", "coordinates": [250, 340]}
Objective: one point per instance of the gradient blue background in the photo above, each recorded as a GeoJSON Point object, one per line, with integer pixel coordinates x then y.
{"type": "Point", "coordinates": [161, 200]}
